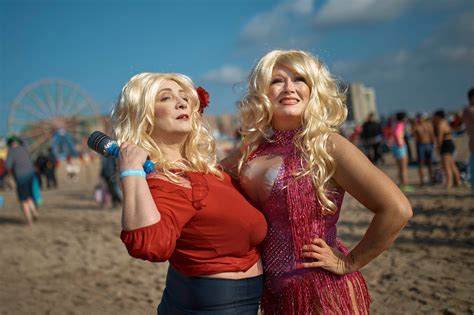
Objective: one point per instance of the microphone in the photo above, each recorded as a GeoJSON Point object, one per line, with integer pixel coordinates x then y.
{"type": "Point", "coordinates": [106, 146]}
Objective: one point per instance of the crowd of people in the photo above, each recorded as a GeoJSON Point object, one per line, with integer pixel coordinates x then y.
{"type": "Point", "coordinates": [425, 141]}
{"type": "Point", "coordinates": [29, 176]}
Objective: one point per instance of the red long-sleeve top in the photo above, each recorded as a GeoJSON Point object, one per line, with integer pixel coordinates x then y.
{"type": "Point", "coordinates": [206, 229]}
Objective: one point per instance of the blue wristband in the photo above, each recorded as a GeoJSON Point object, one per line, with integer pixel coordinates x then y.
{"type": "Point", "coordinates": [132, 173]}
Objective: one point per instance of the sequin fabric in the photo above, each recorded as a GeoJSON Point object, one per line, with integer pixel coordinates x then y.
{"type": "Point", "coordinates": [295, 217]}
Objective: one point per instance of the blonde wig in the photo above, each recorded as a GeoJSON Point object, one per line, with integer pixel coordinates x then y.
{"type": "Point", "coordinates": [133, 121]}
{"type": "Point", "coordinates": [324, 114]}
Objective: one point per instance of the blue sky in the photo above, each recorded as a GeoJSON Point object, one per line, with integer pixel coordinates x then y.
{"type": "Point", "coordinates": [417, 54]}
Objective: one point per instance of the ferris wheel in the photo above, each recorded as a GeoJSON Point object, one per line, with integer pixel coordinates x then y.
{"type": "Point", "coordinates": [53, 113]}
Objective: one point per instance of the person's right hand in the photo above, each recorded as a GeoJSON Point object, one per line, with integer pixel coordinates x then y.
{"type": "Point", "coordinates": [131, 156]}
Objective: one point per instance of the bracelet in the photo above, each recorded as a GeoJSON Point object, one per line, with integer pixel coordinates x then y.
{"type": "Point", "coordinates": [132, 173]}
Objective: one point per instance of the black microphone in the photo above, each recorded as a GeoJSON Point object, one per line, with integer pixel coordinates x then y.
{"type": "Point", "coordinates": [106, 146]}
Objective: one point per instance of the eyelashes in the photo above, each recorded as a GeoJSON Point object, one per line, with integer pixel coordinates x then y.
{"type": "Point", "coordinates": [168, 98]}
{"type": "Point", "coordinates": [300, 79]}
{"type": "Point", "coordinates": [296, 79]}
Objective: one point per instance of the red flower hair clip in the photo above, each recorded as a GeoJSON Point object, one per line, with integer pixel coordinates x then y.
{"type": "Point", "coordinates": [203, 99]}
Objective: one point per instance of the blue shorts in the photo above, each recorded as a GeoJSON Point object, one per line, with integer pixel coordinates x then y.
{"type": "Point", "coordinates": [424, 152]}
{"type": "Point", "coordinates": [399, 152]}
{"type": "Point", "coordinates": [24, 187]}
{"type": "Point", "coordinates": [201, 295]}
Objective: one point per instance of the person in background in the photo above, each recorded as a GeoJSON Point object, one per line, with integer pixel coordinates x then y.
{"type": "Point", "coordinates": [40, 165]}
{"type": "Point", "coordinates": [188, 211]}
{"type": "Point", "coordinates": [108, 173]}
{"type": "Point", "coordinates": [72, 168]}
{"type": "Point", "coordinates": [407, 136]}
{"type": "Point", "coordinates": [51, 181]}
{"type": "Point", "coordinates": [371, 138]}
{"type": "Point", "coordinates": [19, 164]}
{"type": "Point", "coordinates": [424, 138]}
{"type": "Point", "coordinates": [295, 168]}
{"type": "Point", "coordinates": [468, 118]}
{"type": "Point", "coordinates": [354, 137]}
{"type": "Point", "coordinates": [399, 150]}
{"type": "Point", "coordinates": [444, 140]}
{"type": "Point", "coordinates": [3, 173]}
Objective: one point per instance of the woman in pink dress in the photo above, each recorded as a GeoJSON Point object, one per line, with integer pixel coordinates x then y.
{"type": "Point", "coordinates": [296, 168]}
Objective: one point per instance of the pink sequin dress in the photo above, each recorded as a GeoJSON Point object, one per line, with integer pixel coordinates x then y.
{"type": "Point", "coordinates": [294, 217]}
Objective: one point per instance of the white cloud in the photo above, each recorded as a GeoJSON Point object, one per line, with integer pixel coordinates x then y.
{"type": "Point", "coordinates": [262, 26]}
{"type": "Point", "coordinates": [401, 57]}
{"type": "Point", "coordinates": [291, 24]}
{"type": "Point", "coordinates": [337, 13]}
{"type": "Point", "coordinates": [273, 23]}
{"type": "Point", "coordinates": [344, 66]}
{"type": "Point", "coordinates": [301, 6]}
{"type": "Point", "coordinates": [343, 12]}
{"type": "Point", "coordinates": [227, 74]}
{"type": "Point", "coordinates": [457, 54]}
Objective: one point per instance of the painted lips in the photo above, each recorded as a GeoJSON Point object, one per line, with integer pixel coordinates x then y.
{"type": "Point", "coordinates": [183, 117]}
{"type": "Point", "coordinates": [289, 101]}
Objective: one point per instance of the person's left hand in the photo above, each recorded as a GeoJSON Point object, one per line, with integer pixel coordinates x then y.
{"type": "Point", "coordinates": [326, 257]}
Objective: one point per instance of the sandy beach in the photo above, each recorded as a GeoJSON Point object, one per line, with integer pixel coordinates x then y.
{"type": "Point", "coordinates": [73, 262]}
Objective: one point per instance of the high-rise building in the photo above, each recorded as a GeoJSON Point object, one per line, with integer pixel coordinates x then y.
{"type": "Point", "coordinates": [360, 102]}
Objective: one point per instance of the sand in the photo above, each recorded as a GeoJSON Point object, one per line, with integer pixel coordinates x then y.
{"type": "Point", "coordinates": [73, 262]}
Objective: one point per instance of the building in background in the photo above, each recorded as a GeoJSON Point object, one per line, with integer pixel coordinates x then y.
{"type": "Point", "coordinates": [360, 102]}
{"type": "Point", "coordinates": [3, 148]}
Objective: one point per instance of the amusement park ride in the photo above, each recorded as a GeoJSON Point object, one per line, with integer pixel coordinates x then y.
{"type": "Point", "coordinates": [53, 113]}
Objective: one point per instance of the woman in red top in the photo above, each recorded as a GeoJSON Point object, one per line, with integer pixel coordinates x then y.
{"type": "Point", "coordinates": [187, 211]}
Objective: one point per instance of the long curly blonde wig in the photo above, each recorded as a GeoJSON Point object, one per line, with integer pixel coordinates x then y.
{"type": "Point", "coordinates": [133, 121]}
{"type": "Point", "coordinates": [324, 114]}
